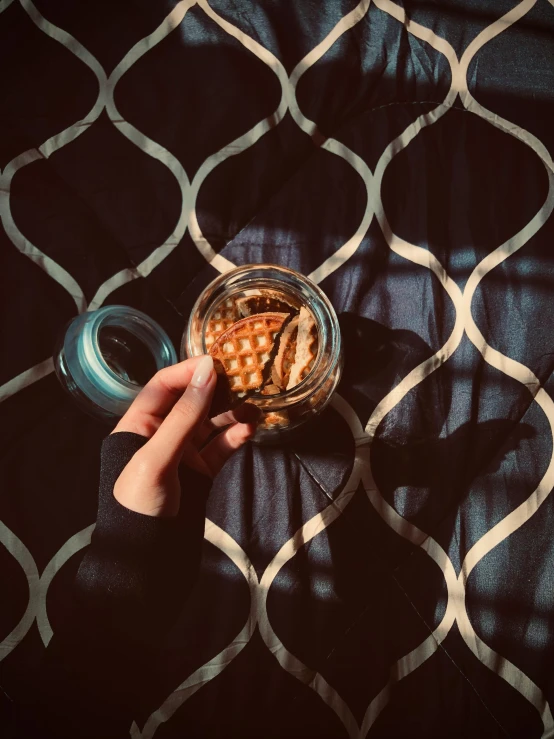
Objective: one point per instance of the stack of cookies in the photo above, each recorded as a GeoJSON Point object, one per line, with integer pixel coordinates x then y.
{"type": "Point", "coordinates": [263, 342]}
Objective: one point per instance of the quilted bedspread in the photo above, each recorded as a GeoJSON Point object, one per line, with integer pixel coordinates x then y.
{"type": "Point", "coordinates": [390, 574]}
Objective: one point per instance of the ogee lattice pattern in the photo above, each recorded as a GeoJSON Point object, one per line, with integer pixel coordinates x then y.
{"type": "Point", "coordinates": [445, 338]}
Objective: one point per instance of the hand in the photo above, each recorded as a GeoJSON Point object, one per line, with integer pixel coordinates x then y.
{"type": "Point", "coordinates": [172, 412]}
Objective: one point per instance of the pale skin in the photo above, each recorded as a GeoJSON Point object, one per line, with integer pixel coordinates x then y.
{"type": "Point", "coordinates": [172, 412]}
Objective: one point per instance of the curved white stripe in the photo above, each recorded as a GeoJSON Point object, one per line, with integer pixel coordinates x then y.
{"type": "Point", "coordinates": [473, 106]}
{"type": "Point", "coordinates": [286, 659]}
{"type": "Point", "coordinates": [111, 284]}
{"type": "Point", "coordinates": [238, 145]}
{"type": "Point", "coordinates": [26, 378]}
{"type": "Point", "coordinates": [169, 24]}
{"type": "Point", "coordinates": [426, 119]}
{"type": "Point", "coordinates": [5, 4]}
{"type": "Point", "coordinates": [150, 147]}
{"type": "Point", "coordinates": [24, 558]}
{"type": "Point", "coordinates": [312, 528]}
{"type": "Point", "coordinates": [495, 662]}
{"type": "Point", "coordinates": [490, 32]}
{"type": "Point", "coordinates": [411, 661]}
{"type": "Point", "coordinates": [54, 270]}
{"type": "Point", "coordinates": [419, 256]}
{"type": "Point", "coordinates": [426, 34]}
{"type": "Point", "coordinates": [397, 145]}
{"type": "Point", "coordinates": [350, 416]}
{"type": "Point", "coordinates": [232, 549]}
{"type": "Point", "coordinates": [346, 22]}
{"type": "Point", "coordinates": [46, 263]}
{"type": "Point", "coordinates": [192, 684]}
{"type": "Point", "coordinates": [514, 520]}
{"type": "Point", "coordinates": [76, 129]}
{"type": "Point", "coordinates": [406, 249]}
{"type": "Point", "coordinates": [344, 252]}
{"type": "Point", "coordinates": [77, 542]}
{"type": "Point", "coordinates": [429, 646]}
{"type": "Point", "coordinates": [332, 145]}
{"type": "Point", "coordinates": [423, 257]}
{"type": "Point", "coordinates": [409, 251]}
{"type": "Point", "coordinates": [459, 83]}
{"type": "Point", "coordinates": [69, 41]}
{"type": "Point", "coordinates": [225, 543]}
{"type": "Point", "coordinates": [308, 531]}
{"type": "Point", "coordinates": [508, 248]}
{"type": "Point", "coordinates": [505, 669]}
{"type": "Point", "coordinates": [105, 99]}
{"type": "Point", "coordinates": [416, 29]}
{"type": "Point", "coordinates": [249, 43]}
{"type": "Point", "coordinates": [417, 375]}
{"type": "Point", "coordinates": [156, 151]}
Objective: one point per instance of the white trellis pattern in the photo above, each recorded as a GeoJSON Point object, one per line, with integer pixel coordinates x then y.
{"type": "Point", "coordinates": [361, 475]}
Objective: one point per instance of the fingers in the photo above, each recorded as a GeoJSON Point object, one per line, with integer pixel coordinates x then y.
{"type": "Point", "coordinates": [218, 451]}
{"type": "Point", "coordinates": [169, 442]}
{"type": "Point", "coordinates": [171, 410]}
{"type": "Point", "coordinates": [191, 458]}
{"type": "Point", "coordinates": [157, 398]}
{"type": "Point", "coordinates": [245, 413]}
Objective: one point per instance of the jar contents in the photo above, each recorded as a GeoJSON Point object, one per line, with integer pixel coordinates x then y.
{"type": "Point", "coordinates": [264, 342]}
{"type": "Point", "coordinates": [275, 340]}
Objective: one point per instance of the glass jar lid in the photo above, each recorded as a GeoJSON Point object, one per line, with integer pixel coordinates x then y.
{"type": "Point", "coordinates": [108, 355]}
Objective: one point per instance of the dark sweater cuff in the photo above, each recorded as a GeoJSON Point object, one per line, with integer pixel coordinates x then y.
{"type": "Point", "coordinates": [138, 571]}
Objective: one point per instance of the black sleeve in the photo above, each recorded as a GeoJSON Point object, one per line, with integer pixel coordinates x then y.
{"type": "Point", "coordinates": [131, 585]}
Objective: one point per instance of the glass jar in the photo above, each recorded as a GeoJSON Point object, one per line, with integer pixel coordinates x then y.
{"type": "Point", "coordinates": [284, 411]}
{"type": "Point", "coordinates": [105, 357]}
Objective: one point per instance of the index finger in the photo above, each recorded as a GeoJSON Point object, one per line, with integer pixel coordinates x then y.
{"type": "Point", "coordinates": [157, 398]}
{"type": "Point", "coordinates": [170, 440]}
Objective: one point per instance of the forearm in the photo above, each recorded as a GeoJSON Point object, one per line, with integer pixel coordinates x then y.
{"type": "Point", "coordinates": [131, 585]}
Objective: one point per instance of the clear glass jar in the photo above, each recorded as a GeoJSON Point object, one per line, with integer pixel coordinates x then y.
{"type": "Point", "coordinates": [285, 411]}
{"type": "Point", "coordinates": [105, 357]}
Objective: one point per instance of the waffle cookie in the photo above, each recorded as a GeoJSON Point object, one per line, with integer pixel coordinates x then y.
{"type": "Point", "coordinates": [275, 419]}
{"type": "Point", "coordinates": [286, 353]}
{"type": "Point", "coordinates": [223, 317]}
{"type": "Point", "coordinates": [245, 348]}
{"type": "Point", "coordinates": [265, 302]}
{"type": "Point", "coordinates": [306, 349]}
{"type": "Point", "coordinates": [270, 389]}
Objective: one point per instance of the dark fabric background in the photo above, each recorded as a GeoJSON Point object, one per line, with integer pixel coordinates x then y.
{"type": "Point", "coordinates": [232, 132]}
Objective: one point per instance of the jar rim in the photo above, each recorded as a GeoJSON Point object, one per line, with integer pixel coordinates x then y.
{"type": "Point", "coordinates": [88, 367]}
{"type": "Point", "coordinates": [326, 320]}
{"type": "Point", "coordinates": [94, 361]}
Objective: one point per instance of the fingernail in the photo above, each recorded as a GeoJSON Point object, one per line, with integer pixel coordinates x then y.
{"type": "Point", "coordinates": [203, 372]}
